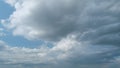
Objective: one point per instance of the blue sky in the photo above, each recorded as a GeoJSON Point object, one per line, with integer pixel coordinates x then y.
{"type": "Point", "coordinates": [59, 34]}
{"type": "Point", "coordinates": [6, 10]}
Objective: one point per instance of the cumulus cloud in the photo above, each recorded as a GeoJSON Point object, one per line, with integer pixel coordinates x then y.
{"type": "Point", "coordinates": [86, 31]}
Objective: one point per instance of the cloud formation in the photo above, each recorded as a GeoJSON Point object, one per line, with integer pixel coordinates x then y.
{"type": "Point", "coordinates": [67, 54]}
{"type": "Point", "coordinates": [54, 20]}
{"type": "Point", "coordinates": [87, 33]}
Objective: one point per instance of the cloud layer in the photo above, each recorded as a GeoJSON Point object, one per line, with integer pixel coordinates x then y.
{"type": "Point", "coordinates": [68, 53]}
{"type": "Point", "coordinates": [87, 33]}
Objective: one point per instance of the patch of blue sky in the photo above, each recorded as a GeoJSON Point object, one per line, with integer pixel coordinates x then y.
{"type": "Point", "coordinates": [5, 10]}
{"type": "Point", "coordinates": [18, 41]}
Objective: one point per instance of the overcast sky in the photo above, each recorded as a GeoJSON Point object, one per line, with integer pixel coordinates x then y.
{"type": "Point", "coordinates": [59, 33]}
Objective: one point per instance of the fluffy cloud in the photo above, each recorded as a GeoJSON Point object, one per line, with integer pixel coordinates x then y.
{"type": "Point", "coordinates": [93, 24]}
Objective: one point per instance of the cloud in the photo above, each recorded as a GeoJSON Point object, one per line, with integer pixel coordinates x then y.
{"type": "Point", "coordinates": [87, 33]}
{"type": "Point", "coordinates": [54, 20]}
{"type": "Point", "coordinates": [67, 53]}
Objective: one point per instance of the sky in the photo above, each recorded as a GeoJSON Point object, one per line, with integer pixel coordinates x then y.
{"type": "Point", "coordinates": [59, 34]}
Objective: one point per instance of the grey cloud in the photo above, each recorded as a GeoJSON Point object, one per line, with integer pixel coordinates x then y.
{"type": "Point", "coordinates": [54, 20]}
{"type": "Point", "coordinates": [3, 46]}
{"type": "Point", "coordinates": [76, 56]}
{"type": "Point", "coordinates": [51, 20]}
{"type": "Point", "coordinates": [106, 35]}
{"type": "Point", "coordinates": [94, 23]}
